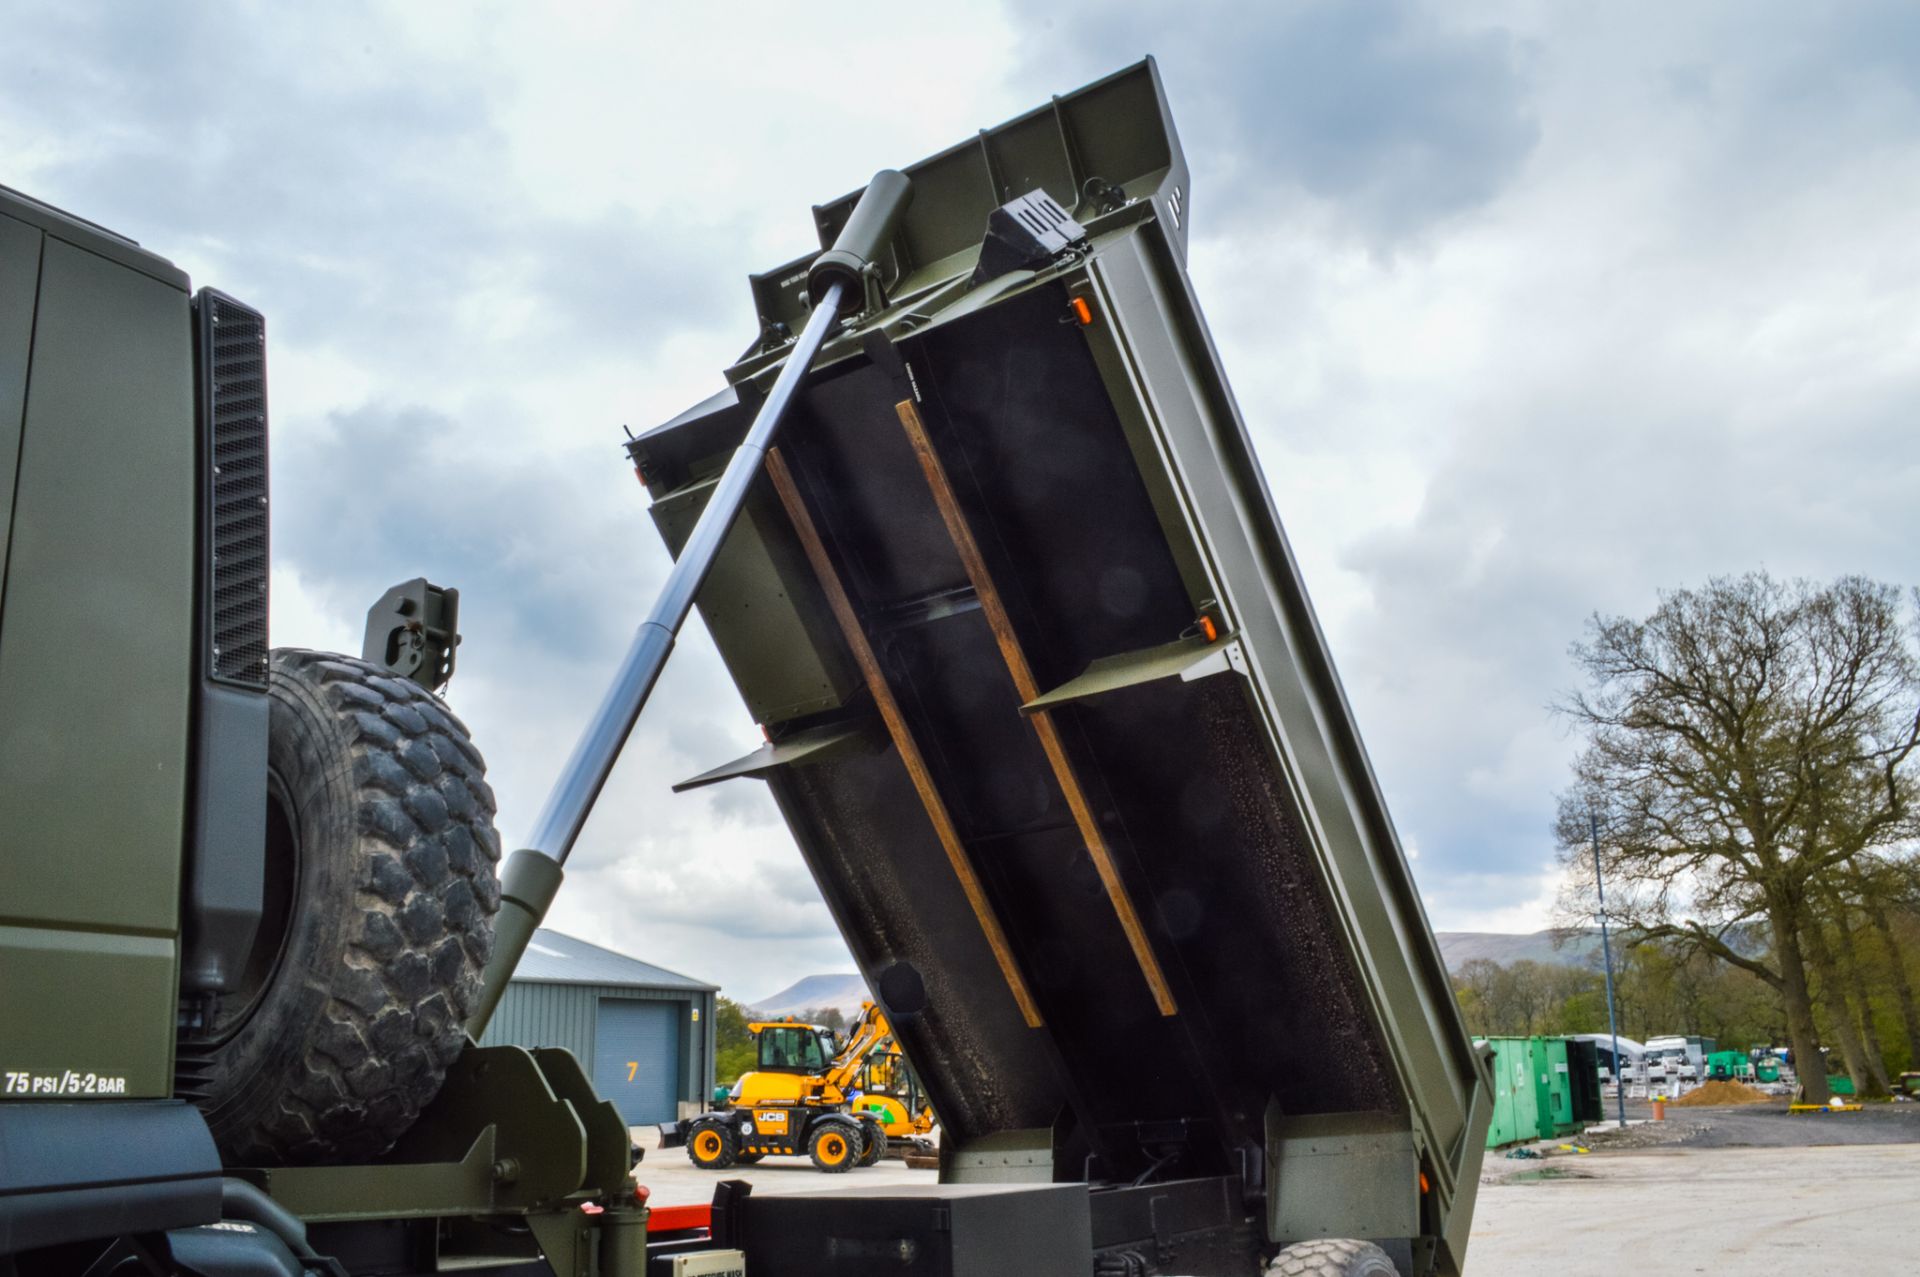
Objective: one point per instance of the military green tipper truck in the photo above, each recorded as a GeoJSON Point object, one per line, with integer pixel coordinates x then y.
{"type": "Point", "coordinates": [980, 535]}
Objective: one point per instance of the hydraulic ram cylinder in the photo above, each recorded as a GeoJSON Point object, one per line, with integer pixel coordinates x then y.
{"type": "Point", "coordinates": [527, 886]}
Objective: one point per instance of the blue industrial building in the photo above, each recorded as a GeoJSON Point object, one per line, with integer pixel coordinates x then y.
{"type": "Point", "coordinates": [643, 1033]}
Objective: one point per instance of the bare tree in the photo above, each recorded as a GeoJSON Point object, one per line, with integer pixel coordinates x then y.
{"type": "Point", "coordinates": [1477, 984]}
{"type": "Point", "coordinates": [1742, 742]}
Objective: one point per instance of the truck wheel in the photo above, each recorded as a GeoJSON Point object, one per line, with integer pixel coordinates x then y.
{"type": "Point", "coordinates": [876, 1146]}
{"type": "Point", "coordinates": [381, 892]}
{"type": "Point", "coordinates": [712, 1147]}
{"type": "Point", "coordinates": [831, 1146]}
{"type": "Point", "coordinates": [1332, 1257]}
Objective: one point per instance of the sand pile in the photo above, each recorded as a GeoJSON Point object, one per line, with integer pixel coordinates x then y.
{"type": "Point", "coordinates": [1714, 1094]}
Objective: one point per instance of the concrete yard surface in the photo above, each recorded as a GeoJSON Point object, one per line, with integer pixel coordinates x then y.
{"type": "Point", "coordinates": [674, 1181]}
{"type": "Point", "coordinates": [1651, 1212]}
{"type": "Point", "coordinates": [1832, 1209]}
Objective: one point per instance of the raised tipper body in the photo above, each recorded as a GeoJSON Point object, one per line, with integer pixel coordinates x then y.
{"type": "Point", "coordinates": [1051, 719]}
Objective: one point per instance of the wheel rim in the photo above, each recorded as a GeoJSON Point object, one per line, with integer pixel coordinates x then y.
{"type": "Point", "coordinates": [706, 1146]}
{"type": "Point", "coordinates": [833, 1150]}
{"type": "Point", "coordinates": [281, 880]}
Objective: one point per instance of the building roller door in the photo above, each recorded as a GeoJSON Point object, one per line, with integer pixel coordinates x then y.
{"type": "Point", "coordinates": [636, 1058]}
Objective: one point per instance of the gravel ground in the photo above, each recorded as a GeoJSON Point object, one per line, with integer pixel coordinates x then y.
{"type": "Point", "coordinates": [1757, 1126]}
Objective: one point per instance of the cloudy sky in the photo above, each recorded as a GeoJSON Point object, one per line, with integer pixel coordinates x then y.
{"type": "Point", "coordinates": [1534, 309]}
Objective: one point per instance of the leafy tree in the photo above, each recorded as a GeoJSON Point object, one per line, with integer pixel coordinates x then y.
{"type": "Point", "coordinates": [1529, 997]}
{"type": "Point", "coordinates": [1744, 742]}
{"type": "Point", "coordinates": [733, 1049]}
{"type": "Point", "coordinates": [1659, 986]}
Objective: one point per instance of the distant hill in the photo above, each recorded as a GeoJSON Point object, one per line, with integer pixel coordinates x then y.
{"type": "Point", "coordinates": [1462, 947]}
{"type": "Point", "coordinates": [815, 992]}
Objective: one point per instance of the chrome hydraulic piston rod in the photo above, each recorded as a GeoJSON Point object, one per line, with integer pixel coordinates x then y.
{"type": "Point", "coordinates": [532, 876]}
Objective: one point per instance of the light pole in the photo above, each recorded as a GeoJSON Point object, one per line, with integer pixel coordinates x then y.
{"type": "Point", "coordinates": [1606, 950]}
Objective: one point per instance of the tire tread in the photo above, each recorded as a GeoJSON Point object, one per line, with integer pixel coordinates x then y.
{"type": "Point", "coordinates": [1332, 1257]}
{"type": "Point", "coordinates": [424, 895]}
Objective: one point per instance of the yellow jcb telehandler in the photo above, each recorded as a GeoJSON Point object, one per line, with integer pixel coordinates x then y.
{"type": "Point", "coordinates": [810, 1095]}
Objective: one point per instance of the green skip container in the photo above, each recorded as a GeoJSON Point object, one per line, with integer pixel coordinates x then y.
{"type": "Point", "coordinates": [1543, 1087]}
{"type": "Point", "coordinates": [1522, 1094]}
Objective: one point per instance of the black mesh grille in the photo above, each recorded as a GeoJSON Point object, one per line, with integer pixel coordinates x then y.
{"type": "Point", "coordinates": [193, 1070]}
{"type": "Point", "coordinates": [233, 369]}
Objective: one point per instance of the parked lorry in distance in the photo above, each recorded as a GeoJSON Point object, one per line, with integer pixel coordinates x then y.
{"type": "Point", "coordinates": [1678, 1059]}
{"type": "Point", "coordinates": [1045, 705]}
{"type": "Point", "coordinates": [1631, 1055]}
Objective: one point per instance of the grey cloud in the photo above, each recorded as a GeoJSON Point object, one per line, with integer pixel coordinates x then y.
{"type": "Point", "coordinates": [774, 901]}
{"type": "Point", "coordinates": [1859, 60]}
{"type": "Point", "coordinates": [617, 278]}
{"type": "Point", "coordinates": [711, 741]}
{"type": "Point", "coordinates": [747, 803]}
{"type": "Point", "coordinates": [1394, 117]}
{"type": "Point", "coordinates": [277, 141]}
{"type": "Point", "coordinates": [383, 494]}
{"type": "Point", "coordinates": [353, 190]}
{"type": "Point", "coordinates": [1572, 502]}
{"type": "Point", "coordinates": [1664, 256]}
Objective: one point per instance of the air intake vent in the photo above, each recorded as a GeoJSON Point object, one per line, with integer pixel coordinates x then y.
{"type": "Point", "coordinates": [233, 396]}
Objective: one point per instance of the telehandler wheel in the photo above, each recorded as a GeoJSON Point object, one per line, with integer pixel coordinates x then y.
{"type": "Point", "coordinates": [1332, 1257]}
{"type": "Point", "coordinates": [876, 1146]}
{"type": "Point", "coordinates": [832, 1147]}
{"type": "Point", "coordinates": [713, 1146]}
{"type": "Point", "coordinates": [381, 892]}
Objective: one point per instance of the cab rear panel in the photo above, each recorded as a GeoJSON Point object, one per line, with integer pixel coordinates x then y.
{"type": "Point", "coordinates": [97, 573]}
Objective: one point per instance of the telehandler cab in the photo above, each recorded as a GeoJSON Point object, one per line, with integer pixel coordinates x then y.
{"type": "Point", "coordinates": [980, 535]}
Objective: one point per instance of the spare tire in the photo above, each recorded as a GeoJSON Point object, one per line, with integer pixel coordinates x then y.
{"type": "Point", "coordinates": [381, 893]}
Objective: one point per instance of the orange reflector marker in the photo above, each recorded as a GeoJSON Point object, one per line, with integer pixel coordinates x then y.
{"type": "Point", "coordinates": [1082, 311]}
{"type": "Point", "coordinates": [1208, 630]}
{"type": "Point", "coordinates": [1424, 1186]}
